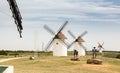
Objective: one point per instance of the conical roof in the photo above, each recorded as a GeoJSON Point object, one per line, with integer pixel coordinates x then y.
{"type": "Point", "coordinates": [79, 40]}
{"type": "Point", "coordinates": [99, 46]}
{"type": "Point", "coordinates": [60, 35]}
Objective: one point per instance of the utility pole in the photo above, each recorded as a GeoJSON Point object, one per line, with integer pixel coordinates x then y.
{"type": "Point", "coordinates": [36, 45]}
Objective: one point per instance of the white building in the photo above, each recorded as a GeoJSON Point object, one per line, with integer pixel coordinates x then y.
{"type": "Point", "coordinates": [6, 69]}
{"type": "Point", "coordinates": [58, 48]}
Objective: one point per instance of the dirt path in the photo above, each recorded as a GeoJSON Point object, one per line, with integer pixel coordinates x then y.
{"type": "Point", "coordinates": [8, 59]}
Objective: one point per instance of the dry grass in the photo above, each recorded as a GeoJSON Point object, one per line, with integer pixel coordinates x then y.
{"type": "Point", "coordinates": [50, 64]}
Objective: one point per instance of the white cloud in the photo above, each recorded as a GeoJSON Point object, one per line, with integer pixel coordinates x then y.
{"type": "Point", "coordinates": [56, 9]}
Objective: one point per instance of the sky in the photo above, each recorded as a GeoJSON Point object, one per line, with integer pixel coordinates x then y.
{"type": "Point", "coordinates": [101, 18]}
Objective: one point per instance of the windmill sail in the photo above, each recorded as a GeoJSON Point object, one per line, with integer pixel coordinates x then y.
{"type": "Point", "coordinates": [16, 15]}
{"type": "Point", "coordinates": [100, 47]}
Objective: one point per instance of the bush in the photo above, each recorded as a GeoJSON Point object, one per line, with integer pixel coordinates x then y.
{"type": "Point", "coordinates": [111, 54]}
{"type": "Point", "coordinates": [3, 53]}
{"type": "Point", "coordinates": [118, 56]}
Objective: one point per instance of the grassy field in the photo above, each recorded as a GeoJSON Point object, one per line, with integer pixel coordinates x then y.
{"type": "Point", "coordinates": [50, 64]}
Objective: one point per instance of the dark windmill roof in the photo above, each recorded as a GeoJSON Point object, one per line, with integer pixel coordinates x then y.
{"type": "Point", "coordinates": [60, 35]}
{"type": "Point", "coordinates": [99, 46]}
{"type": "Point", "coordinates": [79, 40]}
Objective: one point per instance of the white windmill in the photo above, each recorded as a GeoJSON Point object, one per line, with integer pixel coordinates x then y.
{"type": "Point", "coordinates": [57, 43]}
{"type": "Point", "coordinates": [100, 47]}
{"type": "Point", "coordinates": [77, 43]}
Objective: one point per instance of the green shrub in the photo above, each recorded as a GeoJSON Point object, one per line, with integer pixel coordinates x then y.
{"type": "Point", "coordinates": [111, 54]}
{"type": "Point", "coordinates": [3, 53]}
{"type": "Point", "coordinates": [118, 56]}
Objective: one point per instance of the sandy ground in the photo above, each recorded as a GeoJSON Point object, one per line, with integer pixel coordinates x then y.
{"type": "Point", "coordinates": [8, 59]}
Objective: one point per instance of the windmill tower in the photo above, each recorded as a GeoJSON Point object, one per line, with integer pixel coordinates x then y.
{"type": "Point", "coordinates": [100, 47]}
{"type": "Point", "coordinates": [77, 43]}
{"type": "Point", "coordinates": [57, 43]}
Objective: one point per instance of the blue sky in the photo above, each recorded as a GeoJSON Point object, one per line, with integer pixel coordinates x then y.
{"type": "Point", "coordinates": [101, 18]}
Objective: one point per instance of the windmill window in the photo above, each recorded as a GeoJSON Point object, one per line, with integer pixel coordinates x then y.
{"type": "Point", "coordinates": [57, 43]}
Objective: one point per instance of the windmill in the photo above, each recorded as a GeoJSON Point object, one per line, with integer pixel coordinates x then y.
{"type": "Point", "coordinates": [78, 43]}
{"type": "Point", "coordinates": [57, 43]}
{"type": "Point", "coordinates": [100, 47]}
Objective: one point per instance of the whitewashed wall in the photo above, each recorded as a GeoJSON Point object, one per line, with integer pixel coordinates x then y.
{"type": "Point", "coordinates": [81, 50]}
{"type": "Point", "coordinates": [59, 49]}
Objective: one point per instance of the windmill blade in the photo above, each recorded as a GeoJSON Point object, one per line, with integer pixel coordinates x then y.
{"type": "Point", "coordinates": [71, 34]}
{"type": "Point", "coordinates": [49, 44]}
{"type": "Point", "coordinates": [102, 43]}
{"type": "Point", "coordinates": [63, 26]}
{"type": "Point", "coordinates": [16, 15]}
{"type": "Point", "coordinates": [71, 44]}
{"type": "Point", "coordinates": [102, 48]}
{"type": "Point", "coordinates": [83, 46]}
{"type": "Point", "coordinates": [99, 43]}
{"type": "Point", "coordinates": [49, 30]}
{"type": "Point", "coordinates": [83, 34]}
{"type": "Point", "coordinates": [64, 43]}
{"type": "Point", "coordinates": [20, 32]}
